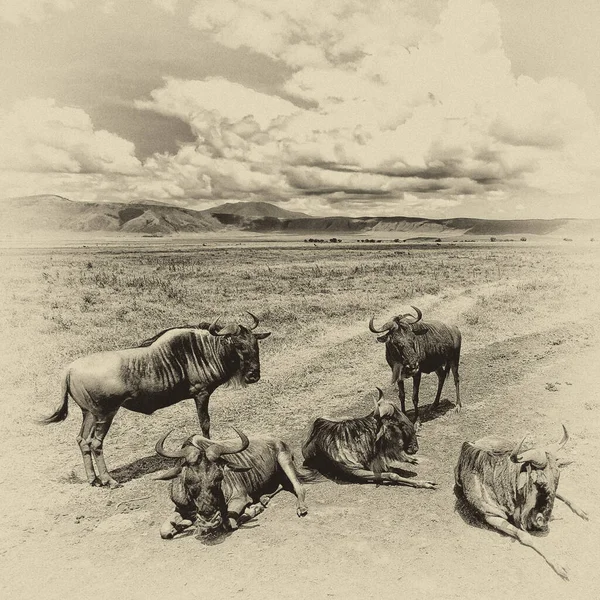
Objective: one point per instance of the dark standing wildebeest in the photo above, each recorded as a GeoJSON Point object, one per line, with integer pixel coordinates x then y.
{"type": "Point", "coordinates": [220, 485]}
{"type": "Point", "coordinates": [177, 363]}
{"type": "Point", "coordinates": [365, 449]}
{"type": "Point", "coordinates": [415, 347]}
{"type": "Point", "coordinates": [514, 491]}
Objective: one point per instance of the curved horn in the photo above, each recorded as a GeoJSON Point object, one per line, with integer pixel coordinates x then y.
{"type": "Point", "coordinates": [229, 329]}
{"type": "Point", "coordinates": [384, 328]}
{"type": "Point", "coordinates": [376, 402]}
{"type": "Point", "coordinates": [162, 452]}
{"type": "Point", "coordinates": [419, 314]}
{"type": "Point", "coordinates": [256, 321]}
{"type": "Point", "coordinates": [380, 393]}
{"type": "Point", "coordinates": [554, 448]}
{"type": "Point", "coordinates": [517, 448]}
{"type": "Point", "coordinates": [213, 326]}
{"type": "Point", "coordinates": [218, 449]}
{"type": "Point", "coordinates": [169, 474]}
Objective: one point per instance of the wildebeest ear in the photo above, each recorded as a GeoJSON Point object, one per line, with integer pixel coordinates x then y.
{"type": "Point", "coordinates": [236, 468]}
{"type": "Point", "coordinates": [383, 338]}
{"type": "Point", "coordinates": [420, 328]}
{"type": "Point", "coordinates": [262, 336]}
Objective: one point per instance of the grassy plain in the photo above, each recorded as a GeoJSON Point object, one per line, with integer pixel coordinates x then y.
{"type": "Point", "coordinates": [522, 308]}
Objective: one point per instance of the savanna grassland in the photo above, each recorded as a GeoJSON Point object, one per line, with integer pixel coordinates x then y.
{"type": "Point", "coordinates": [529, 315]}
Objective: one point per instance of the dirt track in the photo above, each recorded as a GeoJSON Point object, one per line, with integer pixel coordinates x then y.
{"type": "Point", "coordinates": [62, 539]}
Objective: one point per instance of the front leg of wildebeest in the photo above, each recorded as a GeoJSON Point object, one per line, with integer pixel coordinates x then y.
{"type": "Point", "coordinates": [256, 509]}
{"type": "Point", "coordinates": [402, 395]}
{"type": "Point", "coordinates": [526, 539]}
{"type": "Point", "coordinates": [286, 462]}
{"type": "Point", "coordinates": [391, 478]}
{"type": "Point", "coordinates": [415, 398]}
{"type": "Point", "coordinates": [202, 410]}
{"type": "Point", "coordinates": [573, 507]}
{"type": "Point", "coordinates": [236, 509]}
{"type": "Point", "coordinates": [101, 427]}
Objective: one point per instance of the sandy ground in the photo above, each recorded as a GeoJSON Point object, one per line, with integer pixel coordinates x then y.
{"type": "Point", "coordinates": [61, 539]}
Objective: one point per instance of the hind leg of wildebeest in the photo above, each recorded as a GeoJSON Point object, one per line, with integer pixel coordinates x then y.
{"type": "Point", "coordinates": [415, 398]}
{"type": "Point", "coordinates": [454, 367]}
{"type": "Point", "coordinates": [83, 441]}
{"type": "Point", "coordinates": [101, 427]}
{"type": "Point", "coordinates": [286, 462]}
{"type": "Point", "coordinates": [441, 373]}
{"type": "Point", "coordinates": [526, 539]}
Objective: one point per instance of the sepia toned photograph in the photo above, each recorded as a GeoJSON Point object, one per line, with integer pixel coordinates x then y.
{"type": "Point", "coordinates": [299, 299]}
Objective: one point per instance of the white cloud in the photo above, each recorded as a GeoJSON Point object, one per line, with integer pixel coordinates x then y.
{"type": "Point", "coordinates": [39, 136]}
{"type": "Point", "coordinates": [386, 107]}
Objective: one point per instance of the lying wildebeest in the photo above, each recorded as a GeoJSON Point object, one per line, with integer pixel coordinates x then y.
{"type": "Point", "coordinates": [415, 347]}
{"type": "Point", "coordinates": [219, 485]}
{"type": "Point", "coordinates": [513, 490]}
{"type": "Point", "coordinates": [175, 364]}
{"type": "Point", "coordinates": [365, 449]}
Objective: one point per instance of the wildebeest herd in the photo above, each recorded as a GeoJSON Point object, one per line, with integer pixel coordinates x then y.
{"type": "Point", "coordinates": [216, 486]}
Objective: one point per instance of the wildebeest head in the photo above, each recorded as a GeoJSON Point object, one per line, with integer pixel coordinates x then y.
{"type": "Point", "coordinates": [245, 343]}
{"type": "Point", "coordinates": [202, 468]}
{"type": "Point", "coordinates": [401, 332]}
{"type": "Point", "coordinates": [395, 432]}
{"type": "Point", "coordinates": [536, 484]}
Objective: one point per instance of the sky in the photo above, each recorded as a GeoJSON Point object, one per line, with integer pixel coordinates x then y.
{"type": "Point", "coordinates": [437, 108]}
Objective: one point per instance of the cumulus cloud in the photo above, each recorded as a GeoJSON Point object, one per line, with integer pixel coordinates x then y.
{"type": "Point", "coordinates": [39, 136]}
{"type": "Point", "coordinates": [387, 106]}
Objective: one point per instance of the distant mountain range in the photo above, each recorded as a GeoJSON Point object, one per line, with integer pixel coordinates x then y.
{"type": "Point", "coordinates": [55, 214]}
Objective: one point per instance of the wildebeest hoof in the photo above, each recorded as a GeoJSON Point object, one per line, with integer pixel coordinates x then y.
{"type": "Point", "coordinates": [95, 482]}
{"type": "Point", "coordinates": [302, 511]}
{"type": "Point", "coordinates": [264, 500]}
{"type": "Point", "coordinates": [429, 485]}
{"type": "Point", "coordinates": [411, 460]}
{"type": "Point", "coordinates": [458, 408]}
{"type": "Point", "coordinates": [560, 570]}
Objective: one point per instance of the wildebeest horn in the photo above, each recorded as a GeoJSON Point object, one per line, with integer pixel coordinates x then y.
{"type": "Point", "coordinates": [554, 448]}
{"type": "Point", "coordinates": [256, 321]}
{"type": "Point", "coordinates": [162, 452]}
{"type": "Point", "coordinates": [169, 474]}
{"type": "Point", "coordinates": [419, 314]}
{"type": "Point", "coordinates": [517, 448]}
{"type": "Point", "coordinates": [218, 449]}
{"type": "Point", "coordinates": [384, 328]}
{"type": "Point", "coordinates": [213, 327]}
{"type": "Point", "coordinates": [376, 402]}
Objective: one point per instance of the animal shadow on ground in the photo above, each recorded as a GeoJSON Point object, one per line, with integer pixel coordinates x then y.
{"type": "Point", "coordinates": [428, 413]}
{"type": "Point", "coordinates": [142, 466]}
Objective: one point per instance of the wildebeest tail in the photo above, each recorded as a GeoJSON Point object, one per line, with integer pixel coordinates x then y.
{"type": "Point", "coordinates": [60, 414]}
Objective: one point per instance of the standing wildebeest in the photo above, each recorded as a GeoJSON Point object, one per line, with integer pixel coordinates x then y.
{"type": "Point", "coordinates": [514, 491]}
{"type": "Point", "coordinates": [177, 363]}
{"type": "Point", "coordinates": [366, 448]}
{"type": "Point", "coordinates": [219, 493]}
{"type": "Point", "coordinates": [415, 347]}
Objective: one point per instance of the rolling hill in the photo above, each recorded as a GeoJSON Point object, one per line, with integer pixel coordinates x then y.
{"type": "Point", "coordinates": [51, 214]}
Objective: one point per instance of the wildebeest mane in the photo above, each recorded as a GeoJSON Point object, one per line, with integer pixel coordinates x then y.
{"type": "Point", "coordinates": [152, 339]}
{"type": "Point", "coordinates": [350, 442]}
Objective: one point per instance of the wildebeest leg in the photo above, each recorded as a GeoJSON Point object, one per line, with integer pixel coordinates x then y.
{"type": "Point", "coordinates": [527, 540]}
{"type": "Point", "coordinates": [442, 373]}
{"type": "Point", "coordinates": [416, 384]}
{"type": "Point", "coordinates": [259, 507]}
{"type": "Point", "coordinates": [174, 525]}
{"type": "Point", "coordinates": [385, 477]}
{"type": "Point", "coordinates": [83, 440]}
{"type": "Point", "coordinates": [454, 366]}
{"type": "Point", "coordinates": [287, 464]}
{"type": "Point", "coordinates": [402, 395]}
{"type": "Point", "coordinates": [101, 427]}
{"type": "Point", "coordinates": [573, 507]}
{"type": "Point", "coordinates": [236, 509]}
{"type": "Point", "coordinates": [202, 410]}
